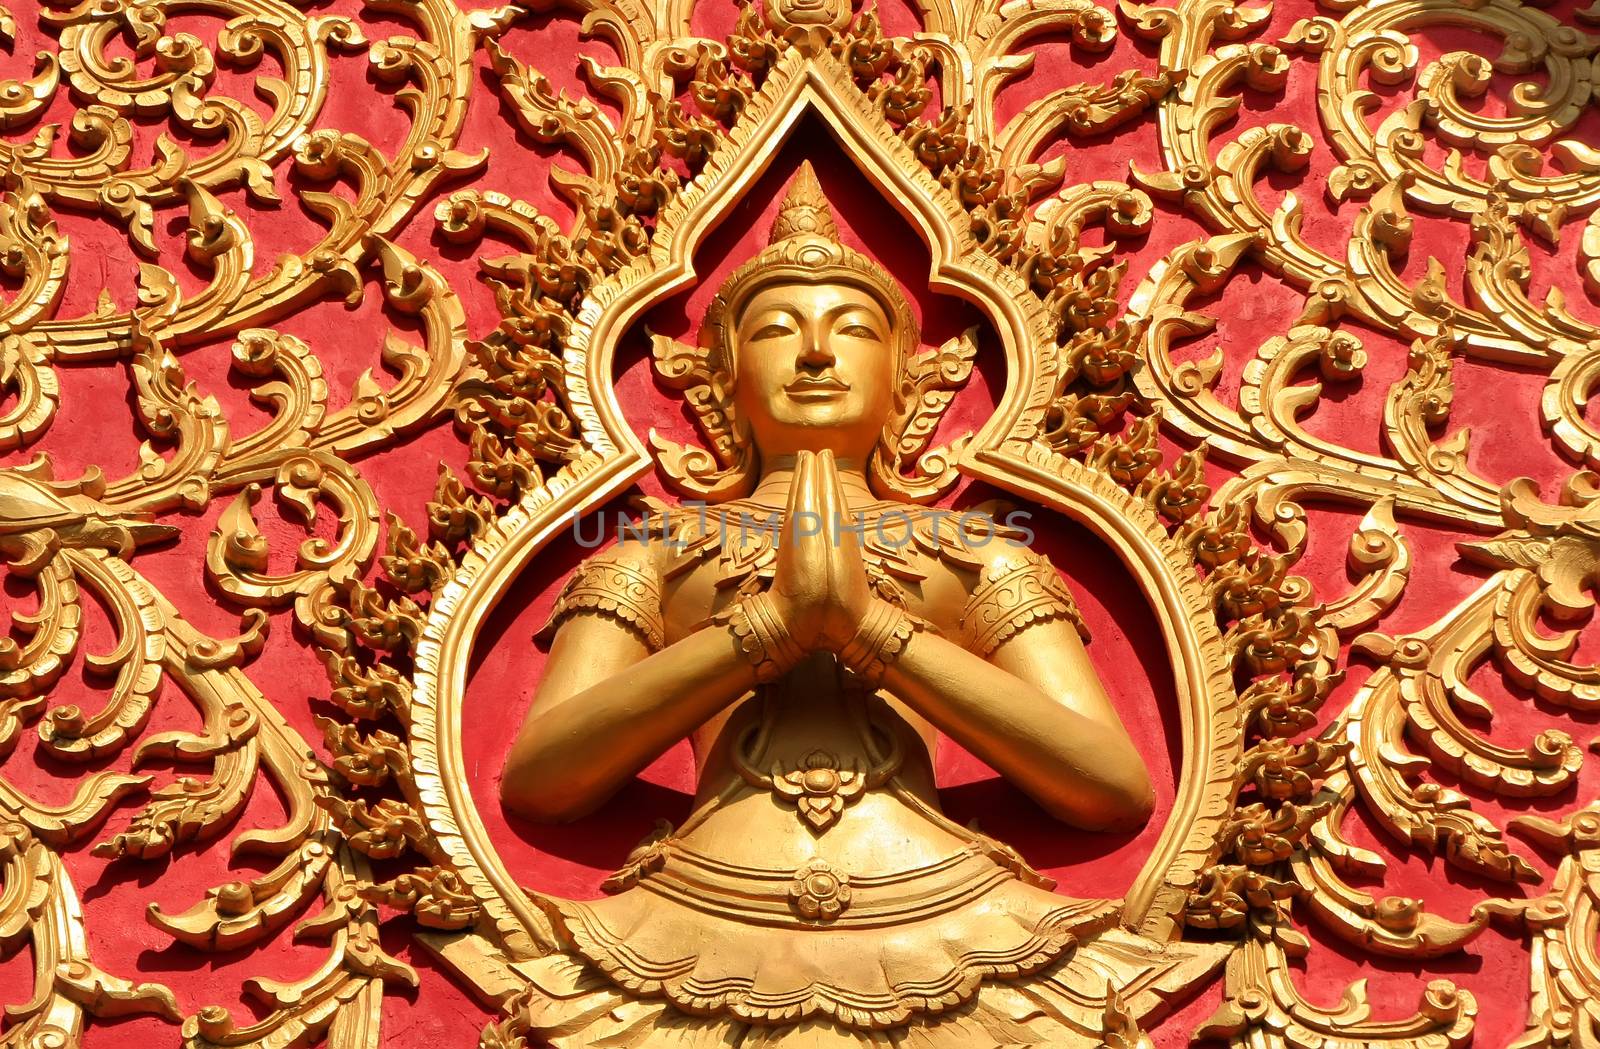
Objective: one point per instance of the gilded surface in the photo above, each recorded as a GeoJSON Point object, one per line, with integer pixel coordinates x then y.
{"type": "Point", "coordinates": [1210, 488]}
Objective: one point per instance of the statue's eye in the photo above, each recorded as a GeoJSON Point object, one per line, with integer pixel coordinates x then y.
{"type": "Point", "coordinates": [771, 331]}
{"type": "Point", "coordinates": [858, 331]}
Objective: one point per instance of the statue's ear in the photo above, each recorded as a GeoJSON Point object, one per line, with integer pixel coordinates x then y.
{"type": "Point", "coordinates": [903, 466]}
{"type": "Point", "coordinates": [728, 469]}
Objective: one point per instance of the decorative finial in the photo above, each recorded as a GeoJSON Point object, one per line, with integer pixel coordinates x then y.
{"type": "Point", "coordinates": [804, 211]}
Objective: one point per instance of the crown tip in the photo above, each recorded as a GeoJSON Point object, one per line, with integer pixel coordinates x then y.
{"type": "Point", "coordinates": [804, 211]}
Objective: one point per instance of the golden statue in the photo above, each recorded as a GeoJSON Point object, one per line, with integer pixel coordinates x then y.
{"type": "Point", "coordinates": [816, 894]}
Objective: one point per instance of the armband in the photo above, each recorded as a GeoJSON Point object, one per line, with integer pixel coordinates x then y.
{"type": "Point", "coordinates": [617, 588]}
{"type": "Point", "coordinates": [1013, 596]}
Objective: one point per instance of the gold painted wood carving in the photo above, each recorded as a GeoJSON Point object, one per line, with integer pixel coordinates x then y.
{"type": "Point", "coordinates": [816, 894]}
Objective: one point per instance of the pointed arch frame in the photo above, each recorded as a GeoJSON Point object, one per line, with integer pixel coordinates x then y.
{"type": "Point", "coordinates": [1005, 452]}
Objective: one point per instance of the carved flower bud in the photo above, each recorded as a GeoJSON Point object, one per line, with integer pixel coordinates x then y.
{"type": "Point", "coordinates": [234, 898]}
{"type": "Point", "coordinates": [1398, 914]}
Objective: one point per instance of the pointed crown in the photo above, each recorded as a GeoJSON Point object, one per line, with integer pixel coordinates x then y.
{"type": "Point", "coordinates": [803, 247]}
{"type": "Point", "coordinates": [804, 211]}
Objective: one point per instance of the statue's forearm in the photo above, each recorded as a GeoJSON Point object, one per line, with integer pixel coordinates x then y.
{"type": "Point", "coordinates": [1081, 770]}
{"type": "Point", "coordinates": [575, 750]}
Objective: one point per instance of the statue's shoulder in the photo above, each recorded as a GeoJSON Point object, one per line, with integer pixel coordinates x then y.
{"type": "Point", "coordinates": [621, 581]}
{"type": "Point", "coordinates": [657, 533]}
{"type": "Point", "coordinates": [1005, 584]}
{"type": "Point", "coordinates": [975, 541]}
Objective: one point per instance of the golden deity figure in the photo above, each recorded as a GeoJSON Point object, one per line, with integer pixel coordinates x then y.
{"type": "Point", "coordinates": [811, 637]}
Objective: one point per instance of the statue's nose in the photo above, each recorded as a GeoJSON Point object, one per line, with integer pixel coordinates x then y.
{"type": "Point", "coordinates": [815, 352]}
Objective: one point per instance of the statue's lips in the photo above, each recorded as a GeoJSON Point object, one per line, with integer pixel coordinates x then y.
{"type": "Point", "coordinates": [822, 389]}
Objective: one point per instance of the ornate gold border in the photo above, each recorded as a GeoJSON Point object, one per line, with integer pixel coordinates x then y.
{"type": "Point", "coordinates": [1208, 704]}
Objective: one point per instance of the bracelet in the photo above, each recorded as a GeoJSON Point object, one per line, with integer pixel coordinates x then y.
{"type": "Point", "coordinates": [762, 637]}
{"type": "Point", "coordinates": [879, 641]}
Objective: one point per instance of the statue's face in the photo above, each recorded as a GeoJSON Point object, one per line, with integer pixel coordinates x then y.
{"type": "Point", "coordinates": [814, 368]}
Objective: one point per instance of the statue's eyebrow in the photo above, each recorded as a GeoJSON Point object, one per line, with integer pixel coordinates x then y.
{"type": "Point", "coordinates": [875, 312]}
{"type": "Point", "coordinates": [783, 309]}
{"type": "Point", "coordinates": [832, 313]}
